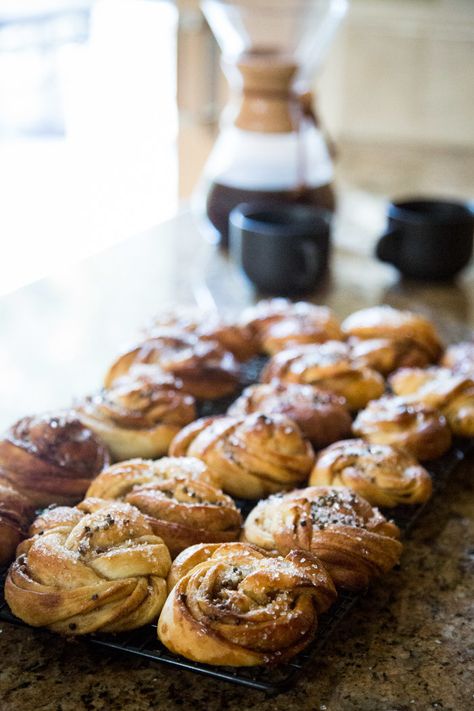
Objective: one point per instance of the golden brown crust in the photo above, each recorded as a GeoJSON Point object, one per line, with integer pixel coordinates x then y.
{"type": "Point", "coordinates": [206, 370]}
{"type": "Point", "coordinates": [139, 415]}
{"type": "Point", "coordinates": [393, 324]}
{"type": "Point", "coordinates": [143, 471]}
{"type": "Point", "coordinates": [354, 541]}
{"type": "Point", "coordinates": [210, 326]}
{"type": "Point", "coordinates": [328, 366]}
{"type": "Point", "coordinates": [200, 553]}
{"type": "Point", "coordinates": [280, 323]}
{"type": "Point", "coordinates": [451, 393]}
{"type": "Point", "coordinates": [51, 457]}
{"type": "Point", "coordinates": [102, 572]}
{"type": "Point", "coordinates": [252, 456]}
{"type": "Point", "coordinates": [296, 330]}
{"type": "Point", "coordinates": [15, 513]}
{"type": "Point", "coordinates": [459, 357]}
{"type": "Point", "coordinates": [381, 474]}
{"type": "Point", "coordinates": [321, 415]}
{"type": "Point", "coordinates": [242, 607]}
{"type": "Point", "coordinates": [176, 495]}
{"type": "Point", "coordinates": [55, 517]}
{"type": "Point", "coordinates": [420, 429]}
{"type": "Point", "coordinates": [387, 354]}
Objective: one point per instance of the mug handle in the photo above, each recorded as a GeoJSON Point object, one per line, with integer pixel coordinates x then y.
{"type": "Point", "coordinates": [387, 248]}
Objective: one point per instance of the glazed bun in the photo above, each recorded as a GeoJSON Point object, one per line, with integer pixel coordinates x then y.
{"type": "Point", "coordinates": [138, 415]}
{"type": "Point", "coordinates": [15, 513]}
{"type": "Point", "coordinates": [420, 429]}
{"type": "Point", "coordinates": [240, 606]}
{"type": "Point", "coordinates": [209, 326]}
{"type": "Point", "coordinates": [279, 323]}
{"type": "Point", "coordinates": [459, 357]}
{"type": "Point", "coordinates": [51, 458]}
{"type": "Point", "coordinates": [321, 415]}
{"type": "Point", "coordinates": [328, 366]}
{"type": "Point", "coordinates": [251, 456]}
{"type": "Point", "coordinates": [396, 338]}
{"type": "Point", "coordinates": [89, 572]}
{"type": "Point", "coordinates": [381, 474]}
{"type": "Point", "coordinates": [206, 370]}
{"type": "Point", "coordinates": [178, 497]}
{"type": "Point", "coordinates": [355, 543]}
{"type": "Point", "coordinates": [451, 393]}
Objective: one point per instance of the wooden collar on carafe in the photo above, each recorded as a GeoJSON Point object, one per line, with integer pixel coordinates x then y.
{"type": "Point", "coordinates": [269, 103]}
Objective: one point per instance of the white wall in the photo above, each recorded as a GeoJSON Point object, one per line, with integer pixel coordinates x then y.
{"type": "Point", "coordinates": [403, 71]}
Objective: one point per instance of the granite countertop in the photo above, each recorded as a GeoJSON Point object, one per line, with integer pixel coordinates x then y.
{"type": "Point", "coordinates": [407, 645]}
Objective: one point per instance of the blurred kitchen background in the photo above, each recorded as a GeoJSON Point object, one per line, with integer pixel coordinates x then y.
{"type": "Point", "coordinates": [109, 108]}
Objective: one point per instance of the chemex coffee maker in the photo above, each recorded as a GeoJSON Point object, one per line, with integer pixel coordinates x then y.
{"type": "Point", "coordinates": [271, 147]}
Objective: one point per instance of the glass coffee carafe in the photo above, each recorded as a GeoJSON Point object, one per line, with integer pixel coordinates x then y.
{"type": "Point", "coordinates": [270, 147]}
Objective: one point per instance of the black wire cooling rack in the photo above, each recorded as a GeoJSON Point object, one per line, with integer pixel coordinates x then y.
{"type": "Point", "coordinates": [143, 643]}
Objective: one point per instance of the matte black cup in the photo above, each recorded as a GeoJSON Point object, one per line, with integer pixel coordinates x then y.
{"type": "Point", "coordinates": [283, 249]}
{"type": "Point", "coordinates": [427, 239]}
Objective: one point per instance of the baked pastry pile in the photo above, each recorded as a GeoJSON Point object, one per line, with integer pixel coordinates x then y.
{"type": "Point", "coordinates": [238, 593]}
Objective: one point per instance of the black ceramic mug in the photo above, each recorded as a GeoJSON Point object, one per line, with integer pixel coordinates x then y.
{"type": "Point", "coordinates": [427, 239]}
{"type": "Point", "coordinates": [283, 249]}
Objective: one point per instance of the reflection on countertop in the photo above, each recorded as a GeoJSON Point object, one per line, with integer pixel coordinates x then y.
{"type": "Point", "coordinates": [59, 334]}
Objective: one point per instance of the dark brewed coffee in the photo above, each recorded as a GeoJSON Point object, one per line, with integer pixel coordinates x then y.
{"type": "Point", "coordinates": [223, 198]}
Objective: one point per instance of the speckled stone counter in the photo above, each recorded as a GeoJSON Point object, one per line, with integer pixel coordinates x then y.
{"type": "Point", "coordinates": [408, 645]}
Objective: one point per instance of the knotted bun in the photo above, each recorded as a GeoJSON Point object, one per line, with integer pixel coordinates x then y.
{"type": "Point", "coordinates": [139, 414]}
{"type": "Point", "coordinates": [51, 458]}
{"type": "Point", "coordinates": [328, 366]}
{"type": "Point", "coordinates": [355, 543]}
{"type": "Point", "coordinates": [239, 606]}
{"type": "Point", "coordinates": [178, 497]}
{"type": "Point", "coordinates": [381, 474]}
{"type": "Point", "coordinates": [104, 571]}
{"type": "Point", "coordinates": [251, 456]}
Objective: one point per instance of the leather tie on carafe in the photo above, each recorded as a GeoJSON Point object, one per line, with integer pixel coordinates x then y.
{"type": "Point", "coordinates": [271, 105]}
